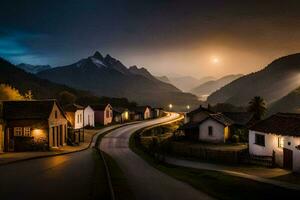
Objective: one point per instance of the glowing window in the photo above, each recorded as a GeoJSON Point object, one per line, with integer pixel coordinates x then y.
{"type": "Point", "coordinates": [280, 142]}
{"type": "Point", "coordinates": [27, 132]}
{"type": "Point", "coordinates": [18, 131]}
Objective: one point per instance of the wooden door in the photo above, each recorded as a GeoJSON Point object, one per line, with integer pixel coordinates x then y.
{"type": "Point", "coordinates": [287, 158]}
{"type": "Point", "coordinates": [9, 143]}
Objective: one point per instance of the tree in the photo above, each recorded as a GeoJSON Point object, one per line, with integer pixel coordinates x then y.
{"type": "Point", "coordinates": [66, 98]}
{"type": "Point", "coordinates": [9, 93]}
{"type": "Point", "coordinates": [257, 105]}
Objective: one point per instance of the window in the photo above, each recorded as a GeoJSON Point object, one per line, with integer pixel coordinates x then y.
{"type": "Point", "coordinates": [78, 119]}
{"type": "Point", "coordinates": [107, 113]}
{"type": "Point", "coordinates": [260, 139]}
{"type": "Point", "coordinates": [27, 132]}
{"type": "Point", "coordinates": [280, 142]}
{"type": "Point", "coordinates": [18, 131]}
{"type": "Point", "coordinates": [210, 130]}
{"type": "Point", "coordinates": [55, 114]}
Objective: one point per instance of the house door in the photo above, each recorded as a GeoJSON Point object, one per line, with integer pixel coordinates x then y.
{"type": "Point", "coordinates": [287, 158]}
{"type": "Point", "coordinates": [9, 140]}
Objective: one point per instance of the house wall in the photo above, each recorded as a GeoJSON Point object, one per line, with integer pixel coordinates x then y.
{"type": "Point", "coordinates": [79, 119]}
{"type": "Point", "coordinates": [147, 113]}
{"type": "Point", "coordinates": [89, 117]}
{"type": "Point", "coordinates": [36, 140]}
{"type": "Point", "coordinates": [101, 116]}
{"type": "Point", "coordinates": [218, 131]}
{"type": "Point", "coordinates": [271, 144]}
{"type": "Point", "coordinates": [108, 115]}
{"type": "Point", "coordinates": [57, 128]}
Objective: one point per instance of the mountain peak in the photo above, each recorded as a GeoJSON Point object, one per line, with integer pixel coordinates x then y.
{"type": "Point", "coordinates": [98, 55]}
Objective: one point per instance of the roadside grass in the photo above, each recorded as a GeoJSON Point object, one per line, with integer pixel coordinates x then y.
{"type": "Point", "coordinates": [291, 178]}
{"type": "Point", "coordinates": [118, 179]}
{"type": "Point", "coordinates": [216, 184]}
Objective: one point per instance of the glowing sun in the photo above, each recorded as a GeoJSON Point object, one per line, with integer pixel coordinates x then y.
{"type": "Point", "coordinates": [215, 60]}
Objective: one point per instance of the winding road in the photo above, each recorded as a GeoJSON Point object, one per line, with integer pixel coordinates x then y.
{"type": "Point", "coordinates": [145, 181]}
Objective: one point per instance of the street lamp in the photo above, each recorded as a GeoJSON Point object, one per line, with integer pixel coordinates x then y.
{"type": "Point", "coordinates": [170, 106]}
{"type": "Point", "coordinates": [188, 107]}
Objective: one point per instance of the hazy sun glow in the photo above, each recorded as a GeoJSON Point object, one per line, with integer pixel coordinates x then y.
{"type": "Point", "coordinates": [215, 60]}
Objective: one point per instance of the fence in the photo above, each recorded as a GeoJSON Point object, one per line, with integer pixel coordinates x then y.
{"type": "Point", "coordinates": [267, 161]}
{"type": "Point", "coordinates": [75, 135]}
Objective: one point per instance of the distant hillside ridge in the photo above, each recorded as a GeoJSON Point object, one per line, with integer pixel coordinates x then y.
{"type": "Point", "coordinates": [210, 86]}
{"type": "Point", "coordinates": [272, 83]}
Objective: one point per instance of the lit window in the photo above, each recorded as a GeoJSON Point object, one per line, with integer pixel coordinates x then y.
{"type": "Point", "coordinates": [18, 131]}
{"type": "Point", "coordinates": [27, 132]}
{"type": "Point", "coordinates": [280, 142]}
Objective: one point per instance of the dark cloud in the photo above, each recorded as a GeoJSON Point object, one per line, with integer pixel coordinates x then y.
{"type": "Point", "coordinates": [156, 33]}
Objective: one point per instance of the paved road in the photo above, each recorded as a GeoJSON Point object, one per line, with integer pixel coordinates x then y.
{"type": "Point", "coordinates": [145, 181]}
{"type": "Point", "coordinates": [61, 177]}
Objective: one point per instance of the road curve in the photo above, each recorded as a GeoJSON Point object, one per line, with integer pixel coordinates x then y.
{"type": "Point", "coordinates": [145, 181]}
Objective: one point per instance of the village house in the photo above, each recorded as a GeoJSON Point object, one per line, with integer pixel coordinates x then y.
{"type": "Point", "coordinates": [33, 125]}
{"type": "Point", "coordinates": [156, 112]}
{"type": "Point", "coordinates": [75, 115]}
{"type": "Point", "coordinates": [141, 113]}
{"type": "Point", "coordinates": [279, 136]}
{"type": "Point", "coordinates": [213, 128]}
{"type": "Point", "coordinates": [103, 114]}
{"type": "Point", "coordinates": [120, 114]}
{"type": "Point", "coordinates": [89, 117]}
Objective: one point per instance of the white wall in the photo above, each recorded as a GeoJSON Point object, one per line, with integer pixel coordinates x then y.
{"type": "Point", "coordinates": [79, 119]}
{"type": "Point", "coordinates": [147, 113]}
{"type": "Point", "coordinates": [271, 144]}
{"type": "Point", "coordinates": [89, 116]}
{"type": "Point", "coordinates": [218, 131]}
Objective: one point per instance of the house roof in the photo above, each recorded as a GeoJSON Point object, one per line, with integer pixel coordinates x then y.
{"type": "Point", "coordinates": [73, 107]}
{"type": "Point", "coordinates": [280, 123]}
{"type": "Point", "coordinates": [99, 106]}
{"type": "Point", "coordinates": [219, 117]}
{"type": "Point", "coordinates": [140, 109]}
{"type": "Point", "coordinates": [119, 109]}
{"type": "Point", "coordinates": [240, 118]}
{"type": "Point", "coordinates": [33, 109]}
{"type": "Point", "coordinates": [198, 110]}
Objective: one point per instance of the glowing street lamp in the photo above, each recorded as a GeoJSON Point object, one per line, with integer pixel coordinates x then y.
{"type": "Point", "coordinates": [188, 107]}
{"type": "Point", "coordinates": [170, 106]}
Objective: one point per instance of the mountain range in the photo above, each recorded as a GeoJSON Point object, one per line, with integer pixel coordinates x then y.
{"type": "Point", "coordinates": [107, 76]}
{"type": "Point", "coordinates": [44, 89]}
{"type": "Point", "coordinates": [34, 69]}
{"type": "Point", "coordinates": [209, 87]}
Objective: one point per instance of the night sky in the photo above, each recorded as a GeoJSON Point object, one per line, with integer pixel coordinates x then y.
{"type": "Point", "coordinates": [197, 38]}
